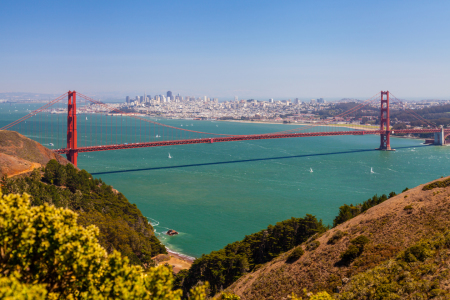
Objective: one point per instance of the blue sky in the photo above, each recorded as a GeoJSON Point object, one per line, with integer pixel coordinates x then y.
{"type": "Point", "coordinates": [263, 49]}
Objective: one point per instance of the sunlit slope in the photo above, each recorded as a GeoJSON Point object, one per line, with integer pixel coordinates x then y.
{"type": "Point", "coordinates": [366, 255]}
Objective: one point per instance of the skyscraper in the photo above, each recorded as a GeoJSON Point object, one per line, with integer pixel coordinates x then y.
{"type": "Point", "coordinates": [169, 94]}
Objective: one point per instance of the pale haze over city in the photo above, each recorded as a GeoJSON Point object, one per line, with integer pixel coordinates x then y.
{"type": "Point", "coordinates": [250, 49]}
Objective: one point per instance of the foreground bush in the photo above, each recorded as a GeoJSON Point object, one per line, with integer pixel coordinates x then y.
{"type": "Point", "coordinates": [419, 272]}
{"type": "Point", "coordinates": [45, 254]}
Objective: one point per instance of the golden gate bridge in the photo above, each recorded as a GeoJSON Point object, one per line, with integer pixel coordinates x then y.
{"type": "Point", "coordinates": [114, 132]}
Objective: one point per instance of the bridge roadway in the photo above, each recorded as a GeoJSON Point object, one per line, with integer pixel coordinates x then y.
{"type": "Point", "coordinates": [242, 138]}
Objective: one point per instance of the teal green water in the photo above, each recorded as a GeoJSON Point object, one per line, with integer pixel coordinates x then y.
{"type": "Point", "coordinates": [215, 194]}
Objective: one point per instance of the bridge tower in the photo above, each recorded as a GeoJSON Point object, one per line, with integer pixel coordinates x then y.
{"type": "Point", "coordinates": [385, 143]}
{"type": "Point", "coordinates": [72, 156]}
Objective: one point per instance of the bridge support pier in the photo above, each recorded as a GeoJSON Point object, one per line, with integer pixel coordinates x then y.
{"type": "Point", "coordinates": [439, 137]}
{"type": "Point", "coordinates": [72, 156]}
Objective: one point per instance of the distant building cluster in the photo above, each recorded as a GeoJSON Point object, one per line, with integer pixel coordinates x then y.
{"type": "Point", "coordinates": [177, 106]}
{"type": "Point", "coordinates": [148, 100]}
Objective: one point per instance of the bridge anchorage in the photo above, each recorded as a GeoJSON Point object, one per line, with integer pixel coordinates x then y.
{"type": "Point", "coordinates": [117, 129]}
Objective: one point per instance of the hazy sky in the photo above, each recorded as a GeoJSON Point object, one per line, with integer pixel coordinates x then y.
{"type": "Point", "coordinates": [265, 49]}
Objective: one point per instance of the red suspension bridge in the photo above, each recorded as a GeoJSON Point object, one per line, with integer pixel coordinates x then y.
{"type": "Point", "coordinates": [105, 127]}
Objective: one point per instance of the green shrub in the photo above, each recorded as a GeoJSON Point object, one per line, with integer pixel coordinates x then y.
{"type": "Point", "coordinates": [296, 254]}
{"type": "Point", "coordinates": [351, 253]}
{"type": "Point", "coordinates": [312, 245]}
{"type": "Point", "coordinates": [355, 249]}
{"type": "Point", "coordinates": [335, 237]}
{"type": "Point", "coordinates": [418, 252]}
{"type": "Point", "coordinates": [360, 241]}
{"type": "Point", "coordinates": [437, 184]}
{"type": "Point", "coordinates": [408, 207]}
{"type": "Point", "coordinates": [347, 212]}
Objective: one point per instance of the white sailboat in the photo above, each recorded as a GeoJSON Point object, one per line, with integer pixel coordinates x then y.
{"type": "Point", "coordinates": [170, 156]}
{"type": "Point", "coordinates": [371, 171]}
{"type": "Point", "coordinates": [310, 170]}
{"type": "Point", "coordinates": [86, 119]}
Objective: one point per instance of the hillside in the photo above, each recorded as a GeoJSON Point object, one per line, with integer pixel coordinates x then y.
{"type": "Point", "coordinates": [19, 154]}
{"type": "Point", "coordinates": [122, 225]}
{"type": "Point", "coordinates": [406, 235]}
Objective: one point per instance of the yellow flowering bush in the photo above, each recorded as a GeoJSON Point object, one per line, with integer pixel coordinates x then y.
{"type": "Point", "coordinates": [45, 254]}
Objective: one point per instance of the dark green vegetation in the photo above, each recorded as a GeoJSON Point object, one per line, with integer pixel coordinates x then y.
{"type": "Point", "coordinates": [347, 212]}
{"type": "Point", "coordinates": [437, 184]}
{"type": "Point", "coordinates": [336, 237]}
{"type": "Point", "coordinates": [222, 268]}
{"type": "Point", "coordinates": [296, 254]}
{"type": "Point", "coordinates": [122, 226]}
{"type": "Point", "coordinates": [355, 249]}
{"type": "Point", "coordinates": [416, 273]}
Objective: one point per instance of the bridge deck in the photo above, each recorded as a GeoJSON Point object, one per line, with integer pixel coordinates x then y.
{"type": "Point", "coordinates": [240, 138]}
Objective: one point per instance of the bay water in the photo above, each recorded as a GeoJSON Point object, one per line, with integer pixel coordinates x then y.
{"type": "Point", "coordinates": [215, 194]}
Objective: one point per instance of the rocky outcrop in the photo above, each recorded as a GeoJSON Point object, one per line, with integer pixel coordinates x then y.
{"type": "Point", "coordinates": [171, 232]}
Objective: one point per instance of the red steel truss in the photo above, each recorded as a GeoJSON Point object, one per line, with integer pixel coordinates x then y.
{"type": "Point", "coordinates": [240, 138]}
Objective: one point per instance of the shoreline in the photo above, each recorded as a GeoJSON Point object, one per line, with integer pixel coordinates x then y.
{"type": "Point", "coordinates": [181, 256]}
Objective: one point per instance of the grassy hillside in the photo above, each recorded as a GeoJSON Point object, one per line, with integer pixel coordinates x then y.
{"type": "Point", "coordinates": [19, 153]}
{"type": "Point", "coordinates": [398, 249]}
{"type": "Point", "coordinates": [122, 226]}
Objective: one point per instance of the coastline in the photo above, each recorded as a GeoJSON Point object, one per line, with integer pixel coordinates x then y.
{"type": "Point", "coordinates": [181, 256]}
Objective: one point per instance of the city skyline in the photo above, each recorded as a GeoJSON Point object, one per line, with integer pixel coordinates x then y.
{"type": "Point", "coordinates": [253, 49]}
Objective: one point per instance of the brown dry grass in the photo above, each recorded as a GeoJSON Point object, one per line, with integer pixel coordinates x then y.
{"type": "Point", "coordinates": [390, 228]}
{"type": "Point", "coordinates": [19, 154]}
